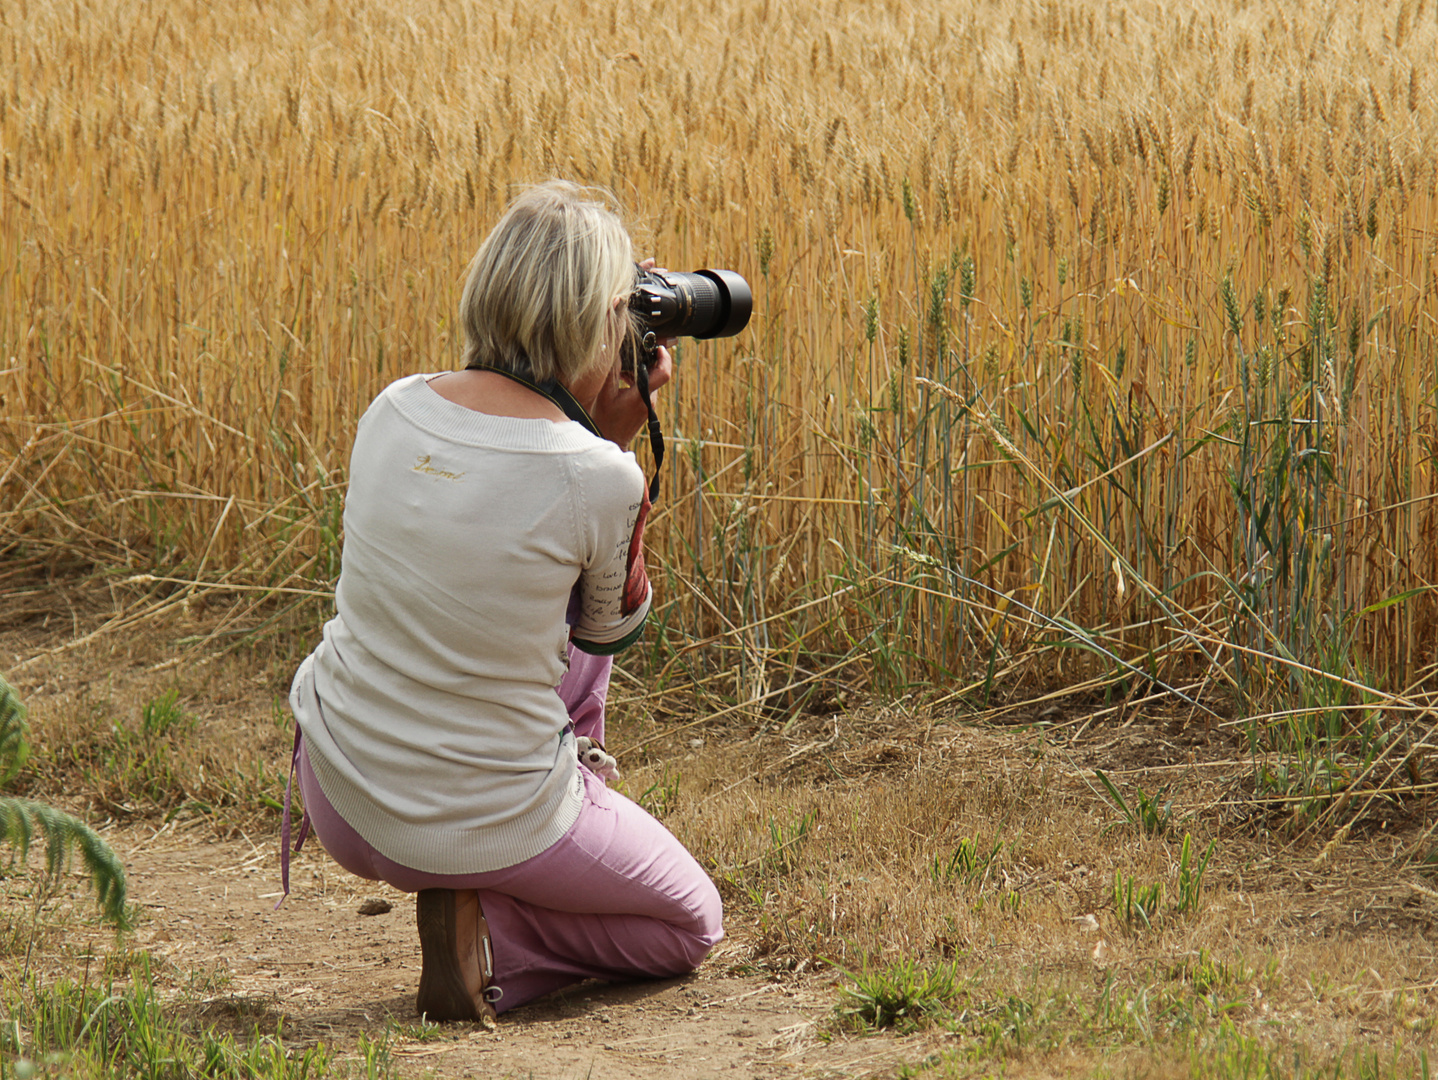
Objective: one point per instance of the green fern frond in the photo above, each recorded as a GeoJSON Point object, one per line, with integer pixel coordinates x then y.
{"type": "Point", "coordinates": [14, 748]}
{"type": "Point", "coordinates": [19, 820]}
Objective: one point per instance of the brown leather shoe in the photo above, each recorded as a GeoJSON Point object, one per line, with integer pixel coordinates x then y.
{"type": "Point", "coordinates": [457, 955]}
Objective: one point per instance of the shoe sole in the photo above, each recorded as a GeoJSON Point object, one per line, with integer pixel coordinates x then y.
{"type": "Point", "coordinates": [442, 992]}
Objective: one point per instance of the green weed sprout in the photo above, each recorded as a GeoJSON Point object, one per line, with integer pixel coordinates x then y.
{"type": "Point", "coordinates": [22, 820]}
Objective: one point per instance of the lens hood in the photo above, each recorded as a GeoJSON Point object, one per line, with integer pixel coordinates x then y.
{"type": "Point", "coordinates": [735, 303]}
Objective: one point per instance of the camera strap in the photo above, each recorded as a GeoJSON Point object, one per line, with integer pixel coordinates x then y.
{"type": "Point", "coordinates": [656, 433]}
{"type": "Point", "coordinates": [569, 405]}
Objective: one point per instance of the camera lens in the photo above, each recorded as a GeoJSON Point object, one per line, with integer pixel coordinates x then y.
{"type": "Point", "coordinates": [705, 304]}
{"type": "Point", "coordinates": [725, 306]}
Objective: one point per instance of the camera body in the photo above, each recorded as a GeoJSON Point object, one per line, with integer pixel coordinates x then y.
{"type": "Point", "coordinates": [670, 304]}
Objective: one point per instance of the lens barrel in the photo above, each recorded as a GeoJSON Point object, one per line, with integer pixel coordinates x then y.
{"type": "Point", "coordinates": [727, 306]}
{"type": "Point", "coordinates": [704, 304]}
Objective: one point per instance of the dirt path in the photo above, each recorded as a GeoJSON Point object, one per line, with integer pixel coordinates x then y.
{"type": "Point", "coordinates": [334, 974]}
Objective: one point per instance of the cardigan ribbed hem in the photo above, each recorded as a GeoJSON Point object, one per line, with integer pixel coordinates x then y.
{"type": "Point", "coordinates": [611, 648]}
{"type": "Point", "coordinates": [435, 850]}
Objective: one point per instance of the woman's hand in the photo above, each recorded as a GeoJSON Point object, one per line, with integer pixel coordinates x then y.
{"type": "Point", "coordinates": [619, 411]}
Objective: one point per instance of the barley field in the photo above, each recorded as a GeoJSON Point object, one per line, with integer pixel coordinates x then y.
{"type": "Point", "coordinates": [1100, 325]}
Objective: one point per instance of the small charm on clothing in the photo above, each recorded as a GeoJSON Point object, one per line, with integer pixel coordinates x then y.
{"type": "Point", "coordinates": [593, 755]}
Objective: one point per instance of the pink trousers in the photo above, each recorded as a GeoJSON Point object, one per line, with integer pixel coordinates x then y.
{"type": "Point", "coordinates": [616, 897]}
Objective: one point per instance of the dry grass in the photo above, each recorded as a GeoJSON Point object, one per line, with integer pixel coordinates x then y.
{"type": "Point", "coordinates": [132, 732]}
{"type": "Point", "coordinates": [837, 845]}
{"type": "Point", "coordinates": [835, 841]}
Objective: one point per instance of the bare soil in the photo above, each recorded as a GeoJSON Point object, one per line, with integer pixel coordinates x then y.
{"type": "Point", "coordinates": [333, 973]}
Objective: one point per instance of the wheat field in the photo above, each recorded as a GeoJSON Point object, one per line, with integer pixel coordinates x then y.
{"type": "Point", "coordinates": [1114, 317]}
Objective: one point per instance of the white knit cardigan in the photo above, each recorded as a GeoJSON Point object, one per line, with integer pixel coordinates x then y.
{"type": "Point", "coordinates": [429, 707]}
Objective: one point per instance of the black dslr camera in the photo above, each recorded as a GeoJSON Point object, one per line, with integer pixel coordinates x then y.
{"type": "Point", "coordinates": [670, 304]}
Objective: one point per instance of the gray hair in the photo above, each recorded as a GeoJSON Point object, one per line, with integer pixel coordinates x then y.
{"type": "Point", "coordinates": [539, 298]}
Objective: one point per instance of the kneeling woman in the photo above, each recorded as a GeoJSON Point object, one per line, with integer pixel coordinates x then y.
{"type": "Point", "coordinates": [492, 565]}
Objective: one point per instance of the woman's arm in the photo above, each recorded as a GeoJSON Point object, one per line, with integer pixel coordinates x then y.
{"type": "Point", "coordinates": [614, 591]}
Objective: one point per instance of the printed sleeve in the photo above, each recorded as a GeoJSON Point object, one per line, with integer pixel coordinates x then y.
{"type": "Point", "coordinates": [614, 592]}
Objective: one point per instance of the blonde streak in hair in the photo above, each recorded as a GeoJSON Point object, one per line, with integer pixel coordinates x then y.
{"type": "Point", "coordinates": [524, 302]}
{"type": "Point", "coordinates": [559, 257]}
{"type": "Point", "coordinates": [481, 302]}
{"type": "Point", "coordinates": [585, 282]}
{"type": "Point", "coordinates": [618, 285]}
{"type": "Point", "coordinates": [613, 278]}
{"type": "Point", "coordinates": [582, 323]}
{"type": "Point", "coordinates": [597, 294]}
{"type": "Point", "coordinates": [513, 302]}
{"type": "Point", "coordinates": [618, 282]}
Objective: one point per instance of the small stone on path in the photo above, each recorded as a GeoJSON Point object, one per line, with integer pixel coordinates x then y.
{"type": "Point", "coordinates": [375, 906]}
